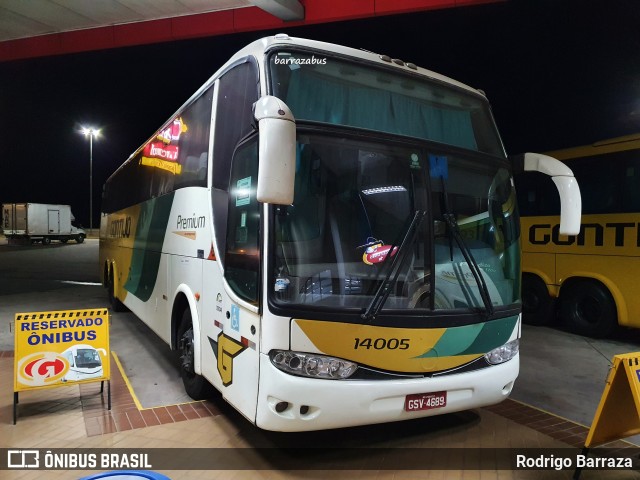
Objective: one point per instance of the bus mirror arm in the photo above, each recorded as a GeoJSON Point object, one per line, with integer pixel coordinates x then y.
{"type": "Point", "coordinates": [562, 176]}
{"type": "Point", "coordinates": [276, 151]}
{"type": "Point", "coordinates": [570, 204]}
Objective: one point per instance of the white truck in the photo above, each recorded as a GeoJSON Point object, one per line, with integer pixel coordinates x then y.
{"type": "Point", "coordinates": [39, 222]}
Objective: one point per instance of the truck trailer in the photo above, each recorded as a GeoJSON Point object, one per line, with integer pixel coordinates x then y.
{"type": "Point", "coordinates": [39, 222]}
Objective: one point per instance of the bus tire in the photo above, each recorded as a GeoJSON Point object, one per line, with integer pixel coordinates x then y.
{"type": "Point", "coordinates": [537, 305]}
{"type": "Point", "coordinates": [195, 385]}
{"type": "Point", "coordinates": [587, 308]}
{"type": "Point", "coordinates": [116, 304]}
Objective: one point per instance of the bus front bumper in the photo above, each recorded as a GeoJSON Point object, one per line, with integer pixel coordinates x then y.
{"type": "Point", "coordinates": [289, 403]}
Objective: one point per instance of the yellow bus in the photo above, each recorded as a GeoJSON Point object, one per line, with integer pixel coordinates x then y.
{"type": "Point", "coordinates": [588, 282]}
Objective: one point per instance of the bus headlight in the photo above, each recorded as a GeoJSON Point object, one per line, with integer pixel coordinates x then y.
{"type": "Point", "coordinates": [312, 365]}
{"type": "Point", "coordinates": [504, 353]}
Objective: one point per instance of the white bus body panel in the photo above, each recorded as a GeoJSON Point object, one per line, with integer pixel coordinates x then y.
{"type": "Point", "coordinates": [345, 403]}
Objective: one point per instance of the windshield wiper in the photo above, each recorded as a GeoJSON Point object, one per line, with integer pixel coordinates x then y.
{"type": "Point", "coordinates": [471, 263]}
{"type": "Point", "coordinates": [384, 290]}
{"type": "Point", "coordinates": [452, 223]}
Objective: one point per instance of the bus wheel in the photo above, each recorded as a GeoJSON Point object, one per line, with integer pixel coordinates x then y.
{"type": "Point", "coordinates": [587, 308]}
{"type": "Point", "coordinates": [195, 385]}
{"type": "Point", "coordinates": [537, 304]}
{"type": "Point", "coordinates": [116, 304]}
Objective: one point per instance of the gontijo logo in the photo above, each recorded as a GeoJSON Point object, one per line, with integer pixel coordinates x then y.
{"type": "Point", "coordinates": [42, 368]}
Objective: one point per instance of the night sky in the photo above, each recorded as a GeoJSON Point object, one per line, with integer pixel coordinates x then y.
{"type": "Point", "coordinates": [558, 73]}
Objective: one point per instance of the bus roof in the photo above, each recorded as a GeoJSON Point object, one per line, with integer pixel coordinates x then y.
{"type": "Point", "coordinates": [611, 145]}
{"type": "Point", "coordinates": [258, 49]}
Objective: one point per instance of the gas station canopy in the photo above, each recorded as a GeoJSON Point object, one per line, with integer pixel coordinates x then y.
{"type": "Point", "coordinates": [38, 28]}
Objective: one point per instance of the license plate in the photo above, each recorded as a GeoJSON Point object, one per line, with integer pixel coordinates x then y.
{"type": "Point", "coordinates": [425, 401]}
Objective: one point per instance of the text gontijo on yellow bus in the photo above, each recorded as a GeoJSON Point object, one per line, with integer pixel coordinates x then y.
{"type": "Point", "coordinates": [586, 282]}
{"type": "Point", "coordinates": [57, 348]}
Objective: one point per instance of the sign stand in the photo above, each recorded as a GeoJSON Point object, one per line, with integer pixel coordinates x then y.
{"type": "Point", "coordinates": [15, 407]}
{"type": "Point", "coordinates": [15, 399]}
{"type": "Point", "coordinates": [61, 348]}
{"type": "Point", "coordinates": [618, 414]}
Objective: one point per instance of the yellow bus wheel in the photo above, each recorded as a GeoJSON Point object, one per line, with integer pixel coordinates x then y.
{"type": "Point", "coordinates": [537, 304]}
{"type": "Point", "coordinates": [587, 308]}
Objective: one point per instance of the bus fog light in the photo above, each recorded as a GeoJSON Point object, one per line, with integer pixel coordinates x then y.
{"type": "Point", "coordinates": [503, 353]}
{"type": "Point", "coordinates": [312, 365]}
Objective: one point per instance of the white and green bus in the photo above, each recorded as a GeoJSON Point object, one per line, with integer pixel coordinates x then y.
{"type": "Point", "coordinates": [327, 236]}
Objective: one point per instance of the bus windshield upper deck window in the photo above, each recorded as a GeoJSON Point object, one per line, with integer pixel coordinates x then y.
{"type": "Point", "coordinates": [354, 94]}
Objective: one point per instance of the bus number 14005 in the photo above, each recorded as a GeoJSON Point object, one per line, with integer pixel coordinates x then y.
{"type": "Point", "coordinates": [382, 343]}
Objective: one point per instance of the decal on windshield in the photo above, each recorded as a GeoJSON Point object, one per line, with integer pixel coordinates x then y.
{"type": "Point", "coordinates": [376, 251]}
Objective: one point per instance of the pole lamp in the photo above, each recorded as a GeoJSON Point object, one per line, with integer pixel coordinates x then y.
{"type": "Point", "coordinates": [91, 133]}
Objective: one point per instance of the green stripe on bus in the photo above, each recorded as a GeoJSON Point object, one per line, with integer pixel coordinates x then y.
{"type": "Point", "coordinates": [147, 246]}
{"type": "Point", "coordinates": [473, 339]}
{"type": "Point", "coordinates": [493, 334]}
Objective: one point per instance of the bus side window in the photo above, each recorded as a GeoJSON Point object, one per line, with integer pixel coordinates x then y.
{"type": "Point", "coordinates": [194, 142]}
{"type": "Point", "coordinates": [242, 256]}
{"type": "Point", "coordinates": [630, 191]}
{"type": "Point", "coordinates": [238, 90]}
{"type": "Point", "coordinates": [536, 195]}
{"type": "Point", "coordinates": [592, 177]}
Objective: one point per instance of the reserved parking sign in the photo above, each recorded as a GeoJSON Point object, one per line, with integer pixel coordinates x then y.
{"type": "Point", "coordinates": [59, 348]}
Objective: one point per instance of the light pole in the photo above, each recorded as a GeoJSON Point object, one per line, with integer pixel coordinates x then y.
{"type": "Point", "coordinates": [91, 132]}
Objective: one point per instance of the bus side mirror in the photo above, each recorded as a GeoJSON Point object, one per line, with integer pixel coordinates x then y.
{"type": "Point", "coordinates": [276, 151]}
{"type": "Point", "coordinates": [562, 176]}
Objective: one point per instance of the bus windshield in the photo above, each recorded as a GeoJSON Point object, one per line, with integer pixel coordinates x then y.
{"type": "Point", "coordinates": [87, 358]}
{"type": "Point", "coordinates": [353, 220]}
{"type": "Point", "coordinates": [427, 223]}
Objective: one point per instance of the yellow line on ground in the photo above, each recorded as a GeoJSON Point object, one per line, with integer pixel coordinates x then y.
{"type": "Point", "coordinates": [133, 394]}
{"type": "Point", "coordinates": [126, 381]}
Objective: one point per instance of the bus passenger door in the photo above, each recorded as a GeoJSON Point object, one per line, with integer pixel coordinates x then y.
{"type": "Point", "coordinates": [238, 352]}
{"type": "Point", "coordinates": [231, 322]}
{"type": "Point", "coordinates": [234, 328]}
